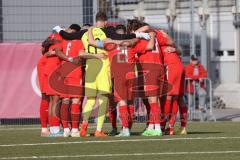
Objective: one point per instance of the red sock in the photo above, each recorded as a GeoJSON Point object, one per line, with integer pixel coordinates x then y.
{"type": "Point", "coordinates": [64, 115]}
{"type": "Point", "coordinates": [54, 121]}
{"type": "Point", "coordinates": [166, 112]}
{"type": "Point", "coordinates": [131, 113]}
{"type": "Point", "coordinates": [123, 110]}
{"type": "Point", "coordinates": [75, 115]}
{"type": "Point", "coordinates": [183, 115]}
{"type": "Point", "coordinates": [173, 113]}
{"type": "Point", "coordinates": [154, 111]}
{"type": "Point", "coordinates": [113, 116]}
{"type": "Point", "coordinates": [44, 113]}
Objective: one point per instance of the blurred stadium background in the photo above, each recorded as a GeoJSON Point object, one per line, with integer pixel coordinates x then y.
{"type": "Point", "coordinates": [207, 28]}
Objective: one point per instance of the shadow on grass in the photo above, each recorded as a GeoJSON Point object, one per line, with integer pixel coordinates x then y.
{"type": "Point", "coordinates": [136, 133]}
{"type": "Point", "coordinates": [198, 132]}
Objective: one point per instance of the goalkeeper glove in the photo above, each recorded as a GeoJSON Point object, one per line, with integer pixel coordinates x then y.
{"type": "Point", "coordinates": [142, 35]}
{"type": "Point", "coordinates": [57, 29]}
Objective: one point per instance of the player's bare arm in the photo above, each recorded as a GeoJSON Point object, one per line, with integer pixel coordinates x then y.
{"type": "Point", "coordinates": [151, 42]}
{"type": "Point", "coordinates": [50, 53]}
{"type": "Point", "coordinates": [97, 43]}
{"type": "Point", "coordinates": [92, 41]}
{"type": "Point", "coordinates": [145, 28]}
{"type": "Point", "coordinates": [60, 54]}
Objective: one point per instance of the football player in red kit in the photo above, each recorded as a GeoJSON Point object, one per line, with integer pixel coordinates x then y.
{"type": "Point", "coordinates": [123, 81]}
{"type": "Point", "coordinates": [66, 50]}
{"type": "Point", "coordinates": [150, 59]}
{"type": "Point", "coordinates": [175, 76]}
{"type": "Point", "coordinates": [120, 29]}
{"type": "Point", "coordinates": [44, 104]}
{"type": "Point", "coordinates": [52, 63]}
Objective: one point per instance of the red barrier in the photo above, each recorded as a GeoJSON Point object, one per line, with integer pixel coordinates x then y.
{"type": "Point", "coordinates": [19, 93]}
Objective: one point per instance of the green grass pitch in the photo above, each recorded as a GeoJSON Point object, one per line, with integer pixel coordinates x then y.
{"type": "Point", "coordinates": [209, 140]}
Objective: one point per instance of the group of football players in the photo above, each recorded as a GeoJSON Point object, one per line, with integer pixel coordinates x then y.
{"type": "Point", "coordinates": [101, 67]}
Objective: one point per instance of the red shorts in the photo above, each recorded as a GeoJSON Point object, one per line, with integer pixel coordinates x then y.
{"type": "Point", "coordinates": [40, 72]}
{"type": "Point", "coordinates": [123, 85]}
{"type": "Point", "coordinates": [175, 77]}
{"type": "Point", "coordinates": [123, 90]}
{"type": "Point", "coordinates": [73, 84]}
{"type": "Point", "coordinates": [49, 90]}
{"type": "Point", "coordinates": [152, 73]}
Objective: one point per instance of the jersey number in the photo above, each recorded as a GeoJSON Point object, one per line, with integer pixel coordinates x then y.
{"type": "Point", "coordinates": [68, 48]}
{"type": "Point", "coordinates": [156, 47]}
{"type": "Point", "coordinates": [95, 48]}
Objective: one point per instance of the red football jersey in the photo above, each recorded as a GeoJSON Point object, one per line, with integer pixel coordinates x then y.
{"type": "Point", "coordinates": [112, 53]}
{"type": "Point", "coordinates": [52, 62]}
{"type": "Point", "coordinates": [153, 56]}
{"type": "Point", "coordinates": [168, 48]}
{"type": "Point", "coordinates": [40, 71]}
{"type": "Point", "coordinates": [42, 60]}
{"type": "Point", "coordinates": [55, 36]}
{"type": "Point", "coordinates": [71, 48]}
{"type": "Point", "coordinates": [129, 54]}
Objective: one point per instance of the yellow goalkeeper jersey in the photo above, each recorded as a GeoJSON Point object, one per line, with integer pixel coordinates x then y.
{"type": "Point", "coordinates": [97, 78]}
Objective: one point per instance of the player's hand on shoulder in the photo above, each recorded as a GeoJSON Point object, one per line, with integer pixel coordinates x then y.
{"type": "Point", "coordinates": [152, 34]}
{"type": "Point", "coordinates": [76, 60]}
{"type": "Point", "coordinates": [170, 49]}
{"type": "Point", "coordinates": [80, 52]}
{"type": "Point", "coordinates": [50, 53]}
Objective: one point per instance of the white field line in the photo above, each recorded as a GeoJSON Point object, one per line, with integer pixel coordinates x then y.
{"type": "Point", "coordinates": [20, 129]}
{"type": "Point", "coordinates": [117, 141]}
{"type": "Point", "coordinates": [122, 155]}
